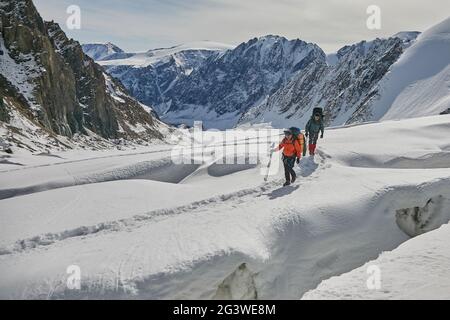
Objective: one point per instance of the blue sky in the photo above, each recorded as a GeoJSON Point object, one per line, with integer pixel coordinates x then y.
{"type": "Point", "coordinates": [140, 25]}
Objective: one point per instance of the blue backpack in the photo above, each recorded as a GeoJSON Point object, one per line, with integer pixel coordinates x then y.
{"type": "Point", "coordinates": [296, 132]}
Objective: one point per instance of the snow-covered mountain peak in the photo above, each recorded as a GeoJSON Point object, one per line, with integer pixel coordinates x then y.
{"type": "Point", "coordinates": [112, 45]}
{"type": "Point", "coordinates": [367, 46]}
{"type": "Point", "coordinates": [229, 84]}
{"type": "Point", "coordinates": [407, 36]}
{"type": "Point", "coordinates": [440, 31]}
{"type": "Point", "coordinates": [149, 75]}
{"type": "Point", "coordinates": [271, 49]}
{"type": "Point", "coordinates": [201, 79]}
{"type": "Point", "coordinates": [195, 45]}
{"type": "Point", "coordinates": [338, 83]}
{"type": "Point", "coordinates": [101, 51]}
{"type": "Point", "coordinates": [272, 38]}
{"type": "Point", "coordinates": [184, 76]}
{"type": "Point", "coordinates": [270, 41]}
{"type": "Point", "coordinates": [154, 56]}
{"type": "Point", "coordinates": [418, 84]}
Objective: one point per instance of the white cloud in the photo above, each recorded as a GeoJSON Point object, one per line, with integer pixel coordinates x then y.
{"type": "Point", "coordinates": [141, 25]}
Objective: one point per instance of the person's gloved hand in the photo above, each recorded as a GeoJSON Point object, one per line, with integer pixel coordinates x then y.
{"type": "Point", "coordinates": [321, 137]}
{"type": "Point", "coordinates": [298, 160]}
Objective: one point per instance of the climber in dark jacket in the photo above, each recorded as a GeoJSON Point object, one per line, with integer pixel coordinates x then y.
{"type": "Point", "coordinates": [313, 128]}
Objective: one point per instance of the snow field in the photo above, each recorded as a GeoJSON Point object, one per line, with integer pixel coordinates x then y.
{"type": "Point", "coordinates": [147, 239]}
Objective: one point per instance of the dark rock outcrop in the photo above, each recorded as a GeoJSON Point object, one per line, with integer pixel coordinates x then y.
{"type": "Point", "coordinates": [344, 90]}
{"type": "Point", "coordinates": [58, 86]}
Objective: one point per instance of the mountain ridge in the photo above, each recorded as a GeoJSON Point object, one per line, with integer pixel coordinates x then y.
{"type": "Point", "coordinates": [51, 91]}
{"type": "Point", "coordinates": [219, 89]}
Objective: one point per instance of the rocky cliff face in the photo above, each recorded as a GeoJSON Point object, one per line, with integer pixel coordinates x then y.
{"type": "Point", "coordinates": [47, 78]}
{"type": "Point", "coordinates": [269, 79]}
{"type": "Point", "coordinates": [211, 82]}
{"type": "Point", "coordinates": [344, 90]}
{"type": "Point", "coordinates": [151, 83]}
{"type": "Point", "coordinates": [227, 85]}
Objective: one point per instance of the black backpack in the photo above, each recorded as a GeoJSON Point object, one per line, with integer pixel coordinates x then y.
{"type": "Point", "coordinates": [318, 111]}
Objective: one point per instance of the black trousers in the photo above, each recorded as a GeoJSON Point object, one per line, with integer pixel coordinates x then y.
{"type": "Point", "coordinates": [289, 163]}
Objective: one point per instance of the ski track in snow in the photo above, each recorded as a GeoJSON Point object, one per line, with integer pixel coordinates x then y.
{"type": "Point", "coordinates": [112, 174]}
{"type": "Point", "coordinates": [122, 173]}
{"type": "Point", "coordinates": [139, 220]}
{"type": "Point", "coordinates": [84, 160]}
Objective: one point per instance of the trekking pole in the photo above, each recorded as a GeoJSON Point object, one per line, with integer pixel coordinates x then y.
{"type": "Point", "coordinates": [272, 151]}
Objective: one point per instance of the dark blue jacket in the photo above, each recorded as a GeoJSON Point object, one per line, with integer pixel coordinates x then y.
{"type": "Point", "coordinates": [314, 127]}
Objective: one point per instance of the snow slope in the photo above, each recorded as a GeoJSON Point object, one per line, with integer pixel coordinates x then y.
{"type": "Point", "coordinates": [144, 59]}
{"type": "Point", "coordinates": [418, 269]}
{"type": "Point", "coordinates": [419, 83]}
{"type": "Point", "coordinates": [140, 227]}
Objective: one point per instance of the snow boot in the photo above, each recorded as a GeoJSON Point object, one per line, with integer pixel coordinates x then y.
{"type": "Point", "coordinates": [287, 183]}
{"type": "Point", "coordinates": [293, 179]}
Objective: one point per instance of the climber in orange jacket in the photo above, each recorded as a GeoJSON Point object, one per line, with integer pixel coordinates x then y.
{"type": "Point", "coordinates": [292, 152]}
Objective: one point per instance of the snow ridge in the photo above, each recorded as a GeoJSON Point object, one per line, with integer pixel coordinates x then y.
{"type": "Point", "coordinates": [133, 222]}
{"type": "Point", "coordinates": [420, 78]}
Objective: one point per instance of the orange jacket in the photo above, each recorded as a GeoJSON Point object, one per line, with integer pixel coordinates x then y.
{"type": "Point", "coordinates": [291, 148]}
